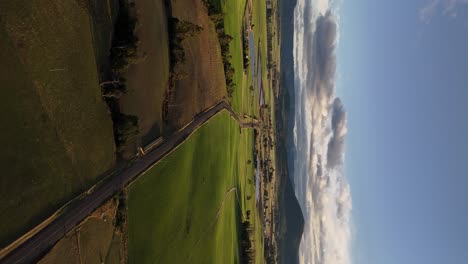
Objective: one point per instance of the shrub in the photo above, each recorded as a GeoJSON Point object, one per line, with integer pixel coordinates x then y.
{"type": "Point", "coordinates": [125, 128]}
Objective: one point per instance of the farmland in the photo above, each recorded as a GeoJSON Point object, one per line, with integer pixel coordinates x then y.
{"type": "Point", "coordinates": [148, 79]}
{"type": "Point", "coordinates": [188, 207]}
{"type": "Point", "coordinates": [199, 203]}
{"type": "Point", "coordinates": [203, 82]}
{"type": "Point", "coordinates": [173, 208]}
{"type": "Point", "coordinates": [56, 132]}
{"type": "Point", "coordinates": [98, 239]}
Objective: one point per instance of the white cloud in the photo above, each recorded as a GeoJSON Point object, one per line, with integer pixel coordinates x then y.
{"type": "Point", "coordinates": [320, 183]}
{"type": "Point", "coordinates": [322, 6]}
{"type": "Point", "coordinates": [445, 7]}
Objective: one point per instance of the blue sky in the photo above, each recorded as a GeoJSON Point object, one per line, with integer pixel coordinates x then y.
{"type": "Point", "coordinates": [403, 78]}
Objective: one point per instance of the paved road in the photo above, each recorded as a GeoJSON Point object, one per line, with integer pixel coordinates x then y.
{"type": "Point", "coordinates": [36, 246]}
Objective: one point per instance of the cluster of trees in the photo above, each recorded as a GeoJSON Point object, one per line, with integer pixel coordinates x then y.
{"type": "Point", "coordinates": [224, 40]}
{"type": "Point", "coordinates": [120, 216]}
{"type": "Point", "coordinates": [125, 128]}
{"type": "Point", "coordinates": [246, 54]}
{"type": "Point", "coordinates": [247, 247]}
{"type": "Point", "coordinates": [217, 17]}
{"type": "Point", "coordinates": [178, 31]}
{"type": "Point", "coordinates": [125, 42]}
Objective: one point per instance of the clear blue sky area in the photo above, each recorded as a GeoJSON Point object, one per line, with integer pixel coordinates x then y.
{"type": "Point", "coordinates": [403, 77]}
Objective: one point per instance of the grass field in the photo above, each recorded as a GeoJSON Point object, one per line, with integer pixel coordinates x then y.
{"type": "Point", "coordinates": [95, 240]}
{"type": "Point", "coordinates": [260, 29]}
{"type": "Point", "coordinates": [233, 13]}
{"type": "Point", "coordinates": [147, 79]}
{"type": "Point", "coordinates": [65, 251]}
{"type": "Point", "coordinates": [242, 101]}
{"type": "Point", "coordinates": [114, 254]}
{"type": "Point", "coordinates": [56, 132]}
{"type": "Point", "coordinates": [103, 14]}
{"type": "Point", "coordinates": [247, 190]}
{"type": "Point", "coordinates": [172, 209]}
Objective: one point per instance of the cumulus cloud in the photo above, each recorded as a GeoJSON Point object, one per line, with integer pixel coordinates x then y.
{"type": "Point", "coordinates": [321, 59]}
{"type": "Point", "coordinates": [445, 7]}
{"type": "Point", "coordinates": [336, 144]}
{"type": "Point", "coordinates": [319, 133]}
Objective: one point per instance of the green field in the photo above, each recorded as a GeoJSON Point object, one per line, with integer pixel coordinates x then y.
{"type": "Point", "coordinates": [233, 13]}
{"type": "Point", "coordinates": [56, 134]}
{"type": "Point", "coordinates": [260, 29]}
{"type": "Point", "coordinates": [247, 189]}
{"type": "Point", "coordinates": [172, 209]}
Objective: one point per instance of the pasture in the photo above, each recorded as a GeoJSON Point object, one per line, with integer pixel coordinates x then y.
{"type": "Point", "coordinates": [184, 209]}
{"type": "Point", "coordinates": [148, 79]}
{"type": "Point", "coordinates": [56, 131]}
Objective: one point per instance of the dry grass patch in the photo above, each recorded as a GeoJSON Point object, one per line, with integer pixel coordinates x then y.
{"type": "Point", "coordinates": [95, 240]}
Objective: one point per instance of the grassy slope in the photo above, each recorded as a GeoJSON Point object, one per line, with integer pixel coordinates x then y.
{"type": "Point", "coordinates": [65, 251]}
{"type": "Point", "coordinates": [95, 240]}
{"type": "Point", "coordinates": [114, 253]}
{"type": "Point", "coordinates": [56, 133]}
{"type": "Point", "coordinates": [172, 208]}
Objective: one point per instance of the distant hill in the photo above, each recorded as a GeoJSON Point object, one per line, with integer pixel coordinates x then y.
{"type": "Point", "coordinates": [291, 223]}
{"type": "Point", "coordinates": [291, 219]}
{"type": "Point", "coordinates": [287, 73]}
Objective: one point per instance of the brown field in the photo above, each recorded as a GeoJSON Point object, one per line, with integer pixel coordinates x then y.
{"type": "Point", "coordinates": [95, 240]}
{"type": "Point", "coordinates": [204, 84]}
{"type": "Point", "coordinates": [65, 250]}
{"type": "Point", "coordinates": [147, 79]}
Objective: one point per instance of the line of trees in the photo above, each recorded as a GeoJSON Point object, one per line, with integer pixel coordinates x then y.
{"type": "Point", "coordinates": [247, 247]}
{"type": "Point", "coordinates": [180, 30]}
{"type": "Point", "coordinates": [123, 53]}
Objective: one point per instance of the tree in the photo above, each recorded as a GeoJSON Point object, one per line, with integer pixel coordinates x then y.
{"type": "Point", "coordinates": [125, 128]}
{"type": "Point", "coordinates": [184, 29]}
{"type": "Point", "coordinates": [114, 88]}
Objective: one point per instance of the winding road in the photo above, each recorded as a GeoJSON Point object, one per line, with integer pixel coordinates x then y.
{"type": "Point", "coordinates": [32, 249]}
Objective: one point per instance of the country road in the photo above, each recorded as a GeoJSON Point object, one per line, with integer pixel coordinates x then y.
{"type": "Point", "coordinates": [32, 249]}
